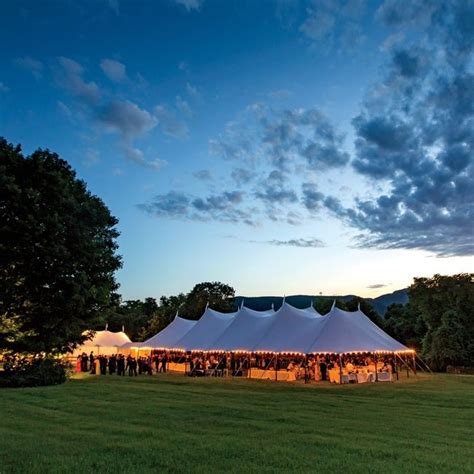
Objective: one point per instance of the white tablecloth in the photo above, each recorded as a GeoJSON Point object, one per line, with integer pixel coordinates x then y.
{"type": "Point", "coordinates": [282, 375]}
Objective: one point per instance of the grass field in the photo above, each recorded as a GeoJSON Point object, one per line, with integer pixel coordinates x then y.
{"type": "Point", "coordinates": [174, 424]}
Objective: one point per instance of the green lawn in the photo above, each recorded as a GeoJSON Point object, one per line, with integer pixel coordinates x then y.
{"type": "Point", "coordinates": [175, 424]}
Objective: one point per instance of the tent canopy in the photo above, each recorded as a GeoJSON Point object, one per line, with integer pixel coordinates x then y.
{"type": "Point", "coordinates": [103, 342]}
{"type": "Point", "coordinates": [344, 331]}
{"type": "Point", "coordinates": [247, 328]}
{"type": "Point", "coordinates": [206, 330]}
{"type": "Point", "coordinates": [288, 330]}
{"type": "Point", "coordinates": [170, 335]}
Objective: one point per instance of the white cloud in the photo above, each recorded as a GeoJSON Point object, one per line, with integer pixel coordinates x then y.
{"type": "Point", "coordinates": [32, 65]}
{"type": "Point", "coordinates": [190, 4]}
{"type": "Point", "coordinates": [114, 70]}
{"type": "Point", "coordinates": [137, 156]}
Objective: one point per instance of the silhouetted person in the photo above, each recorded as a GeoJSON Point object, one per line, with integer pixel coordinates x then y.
{"type": "Point", "coordinates": [132, 366]}
{"type": "Point", "coordinates": [323, 370]}
{"type": "Point", "coordinates": [84, 360]}
{"type": "Point", "coordinates": [92, 362]}
{"type": "Point", "coordinates": [121, 365]}
{"type": "Point", "coordinates": [103, 365]}
{"type": "Point", "coordinates": [112, 364]}
{"type": "Point", "coordinates": [164, 361]}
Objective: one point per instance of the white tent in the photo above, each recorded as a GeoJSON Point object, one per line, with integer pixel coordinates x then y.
{"type": "Point", "coordinates": [344, 331]}
{"type": "Point", "coordinates": [288, 330]}
{"type": "Point", "coordinates": [247, 328]}
{"type": "Point", "coordinates": [292, 330]}
{"type": "Point", "coordinates": [206, 331]}
{"type": "Point", "coordinates": [170, 335]}
{"type": "Point", "coordinates": [103, 343]}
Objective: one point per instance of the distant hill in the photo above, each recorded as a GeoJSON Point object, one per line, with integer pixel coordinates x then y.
{"type": "Point", "coordinates": [380, 304]}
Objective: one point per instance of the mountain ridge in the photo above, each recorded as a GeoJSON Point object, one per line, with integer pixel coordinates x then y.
{"type": "Point", "coordinates": [380, 303]}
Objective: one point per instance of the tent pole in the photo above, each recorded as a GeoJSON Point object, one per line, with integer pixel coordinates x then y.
{"type": "Point", "coordinates": [376, 373]}
{"type": "Point", "coordinates": [408, 369]}
{"type": "Point", "coordinates": [396, 366]}
{"type": "Point", "coordinates": [276, 367]}
{"type": "Point", "coordinates": [340, 369]}
{"type": "Point", "coordinates": [249, 373]}
{"type": "Point", "coordinates": [414, 363]}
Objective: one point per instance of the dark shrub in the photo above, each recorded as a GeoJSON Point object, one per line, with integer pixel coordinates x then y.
{"type": "Point", "coordinates": [27, 372]}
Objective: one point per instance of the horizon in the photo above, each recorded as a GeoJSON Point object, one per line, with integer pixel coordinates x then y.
{"type": "Point", "coordinates": [284, 147]}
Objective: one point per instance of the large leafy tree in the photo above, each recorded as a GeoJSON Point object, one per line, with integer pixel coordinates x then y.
{"type": "Point", "coordinates": [219, 296]}
{"type": "Point", "coordinates": [57, 253]}
{"type": "Point", "coordinates": [446, 304]}
{"type": "Point", "coordinates": [405, 324]}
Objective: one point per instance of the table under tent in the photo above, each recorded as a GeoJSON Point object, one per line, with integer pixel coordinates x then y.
{"type": "Point", "coordinates": [287, 344]}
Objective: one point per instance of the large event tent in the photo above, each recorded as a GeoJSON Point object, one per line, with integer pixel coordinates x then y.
{"type": "Point", "coordinates": [288, 330]}
{"type": "Point", "coordinates": [103, 342]}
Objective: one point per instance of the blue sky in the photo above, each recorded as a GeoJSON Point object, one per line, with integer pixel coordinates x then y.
{"type": "Point", "coordinates": [280, 146]}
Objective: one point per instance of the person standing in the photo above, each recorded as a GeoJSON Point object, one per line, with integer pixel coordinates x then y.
{"type": "Point", "coordinates": [132, 366]}
{"type": "Point", "coordinates": [112, 364]}
{"type": "Point", "coordinates": [164, 361]}
{"type": "Point", "coordinates": [121, 365]}
{"type": "Point", "coordinates": [92, 363]}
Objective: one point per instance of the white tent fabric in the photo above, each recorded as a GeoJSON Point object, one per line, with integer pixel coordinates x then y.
{"type": "Point", "coordinates": [289, 330]}
{"type": "Point", "coordinates": [170, 335]}
{"type": "Point", "coordinates": [206, 331]}
{"type": "Point", "coordinates": [344, 331]}
{"type": "Point", "coordinates": [292, 330]}
{"type": "Point", "coordinates": [247, 328]}
{"type": "Point", "coordinates": [104, 343]}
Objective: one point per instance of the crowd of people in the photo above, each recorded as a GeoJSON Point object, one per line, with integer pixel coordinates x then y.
{"type": "Point", "coordinates": [120, 365]}
{"type": "Point", "coordinates": [314, 367]}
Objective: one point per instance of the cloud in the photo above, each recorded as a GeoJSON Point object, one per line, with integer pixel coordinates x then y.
{"type": "Point", "coordinates": [224, 207]}
{"type": "Point", "coordinates": [284, 138]}
{"type": "Point", "coordinates": [377, 286]}
{"type": "Point", "coordinates": [169, 123]}
{"type": "Point", "coordinates": [272, 190]}
{"type": "Point", "coordinates": [32, 65]}
{"type": "Point", "coordinates": [192, 91]}
{"type": "Point", "coordinates": [331, 25]}
{"type": "Point", "coordinates": [203, 175]}
{"type": "Point", "coordinates": [190, 4]}
{"type": "Point", "coordinates": [416, 139]}
{"type": "Point", "coordinates": [3, 87]}
{"type": "Point", "coordinates": [241, 176]}
{"type": "Point", "coordinates": [114, 70]}
{"type": "Point", "coordinates": [70, 77]}
{"type": "Point", "coordinates": [312, 198]}
{"type": "Point", "coordinates": [126, 118]}
{"type": "Point", "coordinates": [91, 157]}
{"type": "Point", "coordinates": [172, 204]}
{"type": "Point", "coordinates": [137, 156]}
{"type": "Point", "coordinates": [183, 106]}
{"type": "Point", "coordinates": [299, 242]}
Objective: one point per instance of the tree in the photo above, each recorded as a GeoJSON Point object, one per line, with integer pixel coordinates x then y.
{"type": "Point", "coordinates": [446, 305]}
{"type": "Point", "coordinates": [219, 296]}
{"type": "Point", "coordinates": [404, 324]}
{"type": "Point", "coordinates": [324, 304]}
{"type": "Point", "coordinates": [366, 308]}
{"type": "Point", "coordinates": [57, 252]}
{"type": "Point", "coordinates": [167, 310]}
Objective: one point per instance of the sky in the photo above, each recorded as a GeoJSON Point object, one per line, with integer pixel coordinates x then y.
{"type": "Point", "coordinates": [279, 146]}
